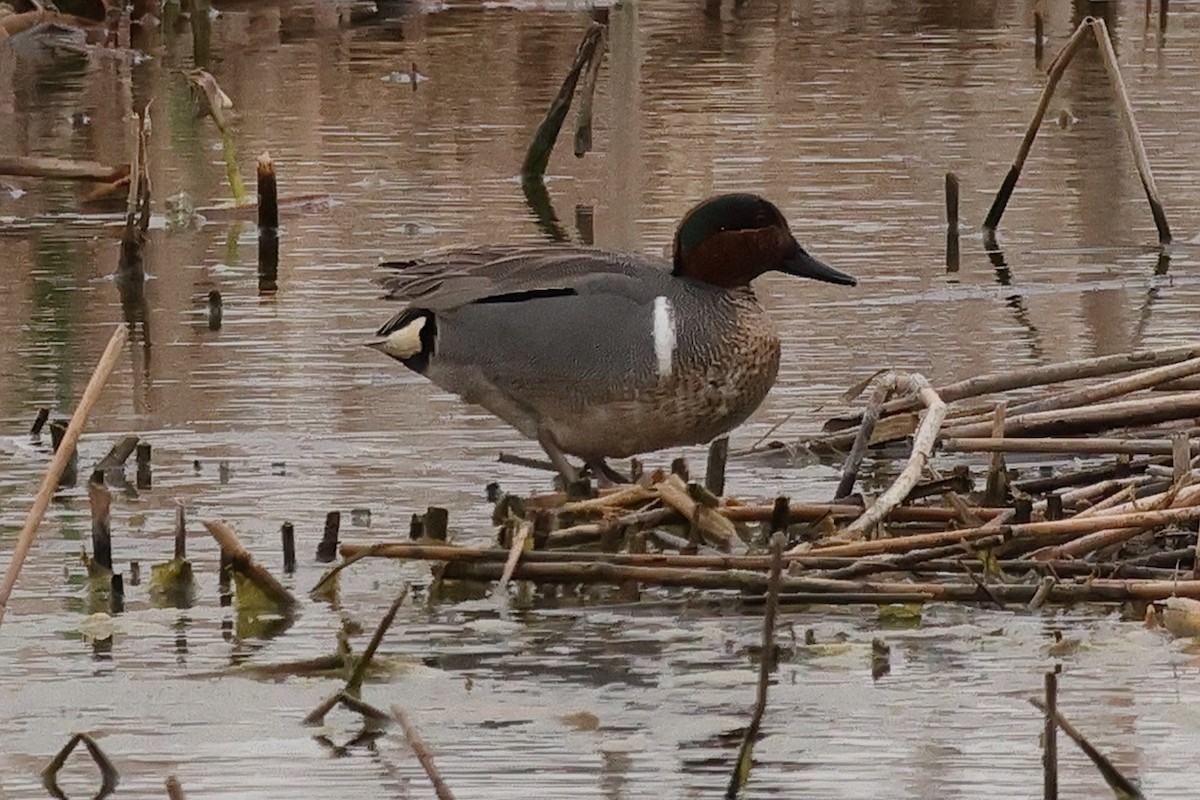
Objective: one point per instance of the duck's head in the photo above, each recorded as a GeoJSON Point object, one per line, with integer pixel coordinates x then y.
{"type": "Point", "coordinates": [731, 239]}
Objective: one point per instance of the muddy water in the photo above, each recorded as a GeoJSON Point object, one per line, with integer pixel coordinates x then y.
{"type": "Point", "coordinates": [847, 114]}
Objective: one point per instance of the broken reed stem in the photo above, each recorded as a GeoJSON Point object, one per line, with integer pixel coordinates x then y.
{"type": "Point", "coordinates": [1093, 418]}
{"type": "Point", "coordinates": [1057, 68]}
{"type": "Point", "coordinates": [39, 422]}
{"type": "Point", "coordinates": [327, 547]}
{"type": "Point", "coordinates": [41, 167]}
{"type": "Point", "coordinates": [863, 440]}
{"type": "Point", "coordinates": [116, 457]}
{"type": "Point", "coordinates": [713, 528]}
{"type": "Point", "coordinates": [287, 533]}
{"type": "Point", "coordinates": [951, 202]}
{"type": "Point", "coordinates": [922, 449]}
{"type": "Point", "coordinates": [41, 501]}
{"type": "Point", "coordinates": [996, 382]}
{"type": "Point", "coordinates": [100, 500]}
{"type": "Point", "coordinates": [268, 197]}
{"type": "Point", "coordinates": [354, 685]}
{"type": "Point", "coordinates": [180, 529]}
{"type": "Point", "coordinates": [583, 128]}
{"type": "Point", "coordinates": [1034, 529]}
{"type": "Point", "coordinates": [1122, 786]}
{"type": "Point", "coordinates": [1063, 445]}
{"type": "Point", "coordinates": [538, 155]}
{"type": "Point", "coordinates": [268, 226]}
{"type": "Point", "coordinates": [766, 665]}
{"type": "Point", "coordinates": [1039, 34]}
{"type": "Point", "coordinates": [241, 561]}
{"type": "Point", "coordinates": [933, 560]}
{"type": "Point", "coordinates": [1115, 80]}
{"type": "Point", "coordinates": [996, 492]}
{"type": "Point", "coordinates": [514, 555]}
{"type": "Point", "coordinates": [423, 755]}
{"type": "Point", "coordinates": [1090, 395]}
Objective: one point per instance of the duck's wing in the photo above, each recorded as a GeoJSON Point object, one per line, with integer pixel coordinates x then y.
{"type": "Point", "coordinates": [454, 278]}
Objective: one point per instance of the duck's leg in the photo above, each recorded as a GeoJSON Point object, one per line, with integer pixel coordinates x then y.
{"type": "Point", "coordinates": [606, 476]}
{"type": "Point", "coordinates": [557, 457]}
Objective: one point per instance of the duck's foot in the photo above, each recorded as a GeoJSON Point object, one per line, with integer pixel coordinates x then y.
{"type": "Point", "coordinates": [606, 476]}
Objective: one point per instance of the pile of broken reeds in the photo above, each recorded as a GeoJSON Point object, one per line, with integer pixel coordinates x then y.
{"type": "Point", "coordinates": [1114, 521]}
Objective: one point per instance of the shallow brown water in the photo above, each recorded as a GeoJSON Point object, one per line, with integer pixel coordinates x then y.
{"type": "Point", "coordinates": [847, 114]}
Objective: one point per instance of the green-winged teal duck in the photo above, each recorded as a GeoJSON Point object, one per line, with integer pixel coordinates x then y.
{"type": "Point", "coordinates": [598, 354]}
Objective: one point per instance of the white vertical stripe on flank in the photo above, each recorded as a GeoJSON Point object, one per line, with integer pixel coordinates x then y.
{"type": "Point", "coordinates": [664, 335]}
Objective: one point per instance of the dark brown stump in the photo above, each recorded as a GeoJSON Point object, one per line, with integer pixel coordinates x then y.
{"type": "Point", "coordinates": [779, 514]}
{"type": "Point", "coordinates": [144, 479]}
{"type": "Point", "coordinates": [327, 549]}
{"type": "Point", "coordinates": [952, 243]}
{"type": "Point", "coordinates": [216, 310]}
{"type": "Point", "coordinates": [116, 595]}
{"type": "Point", "coordinates": [1054, 506]}
{"type": "Point", "coordinates": [180, 532]}
{"type": "Point", "coordinates": [268, 227]}
{"type": "Point", "coordinates": [100, 501]}
{"type": "Point", "coordinates": [288, 533]}
{"type": "Point", "coordinates": [437, 523]}
{"type": "Point", "coordinates": [70, 475]}
{"type": "Point", "coordinates": [39, 422]}
{"type": "Point", "coordinates": [714, 472]}
{"type": "Point", "coordinates": [1039, 36]}
{"type": "Point", "coordinates": [1050, 739]}
{"type": "Point", "coordinates": [679, 466]}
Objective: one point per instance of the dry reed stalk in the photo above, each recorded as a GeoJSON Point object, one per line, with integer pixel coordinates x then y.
{"type": "Point", "coordinates": [413, 737]}
{"type": "Point", "coordinates": [862, 440]}
{"type": "Point", "coordinates": [1178, 497]}
{"type": "Point", "coordinates": [1035, 529]}
{"type": "Point", "coordinates": [42, 167]}
{"type": "Point", "coordinates": [714, 528]}
{"type": "Point", "coordinates": [922, 449]}
{"type": "Point", "coordinates": [1090, 395]}
{"type": "Point", "coordinates": [1109, 56]}
{"type": "Point", "coordinates": [1055, 73]}
{"type": "Point", "coordinates": [241, 561]}
{"type": "Point", "coordinates": [514, 555]}
{"type": "Point", "coordinates": [1089, 446]}
{"type": "Point", "coordinates": [41, 500]}
{"type": "Point", "coordinates": [496, 555]}
{"type": "Point", "coordinates": [1093, 418]}
{"type": "Point", "coordinates": [1027, 378]}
